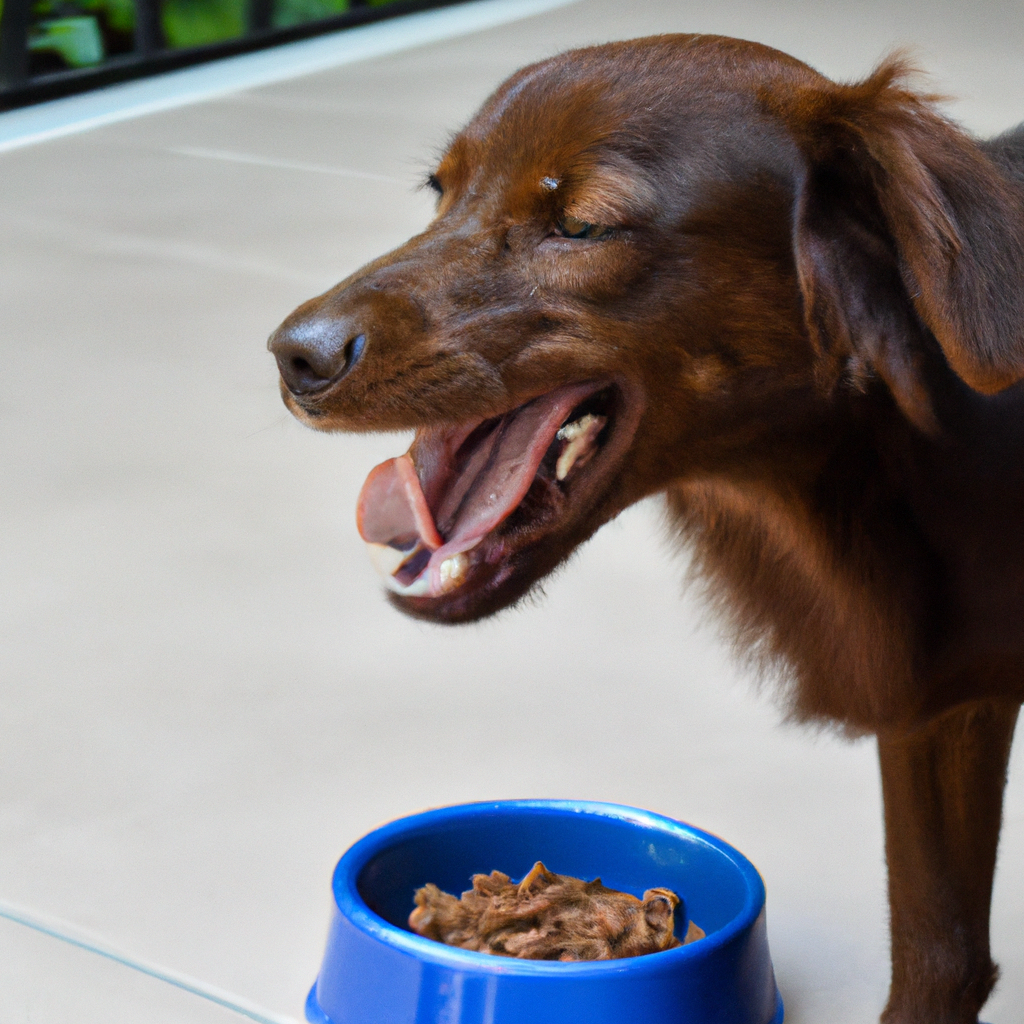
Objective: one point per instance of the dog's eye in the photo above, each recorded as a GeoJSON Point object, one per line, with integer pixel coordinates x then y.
{"type": "Point", "coordinates": [573, 227]}
{"type": "Point", "coordinates": [435, 185]}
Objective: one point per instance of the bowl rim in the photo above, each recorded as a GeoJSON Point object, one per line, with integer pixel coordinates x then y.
{"type": "Point", "coordinates": [353, 908]}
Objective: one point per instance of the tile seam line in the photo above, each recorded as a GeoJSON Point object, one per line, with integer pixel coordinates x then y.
{"type": "Point", "coordinates": [70, 933]}
{"type": "Point", "coordinates": [228, 156]}
{"type": "Point", "coordinates": [42, 122]}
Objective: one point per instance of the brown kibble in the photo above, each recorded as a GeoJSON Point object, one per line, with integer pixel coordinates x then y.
{"type": "Point", "coordinates": [549, 917]}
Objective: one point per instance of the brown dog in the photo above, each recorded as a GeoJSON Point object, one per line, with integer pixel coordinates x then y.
{"type": "Point", "coordinates": [693, 265]}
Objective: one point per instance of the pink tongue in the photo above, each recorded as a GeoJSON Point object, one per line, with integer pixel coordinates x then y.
{"type": "Point", "coordinates": [392, 508]}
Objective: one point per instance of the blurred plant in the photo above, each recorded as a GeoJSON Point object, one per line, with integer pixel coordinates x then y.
{"type": "Point", "coordinates": [79, 33]}
{"type": "Point", "coordinates": [198, 22]}
{"type": "Point", "coordinates": [296, 12]}
{"type": "Point", "coordinates": [82, 33]}
{"type": "Point", "coordinates": [77, 41]}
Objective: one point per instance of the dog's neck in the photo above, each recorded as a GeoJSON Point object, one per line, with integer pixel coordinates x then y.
{"type": "Point", "coordinates": [854, 533]}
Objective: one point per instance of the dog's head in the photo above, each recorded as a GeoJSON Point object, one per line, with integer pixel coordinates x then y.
{"type": "Point", "coordinates": [649, 259]}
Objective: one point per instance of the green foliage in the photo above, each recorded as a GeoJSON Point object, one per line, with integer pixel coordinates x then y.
{"type": "Point", "coordinates": [82, 33]}
{"type": "Point", "coordinates": [76, 40]}
{"type": "Point", "coordinates": [296, 12]}
{"type": "Point", "coordinates": [79, 33]}
{"type": "Point", "coordinates": [119, 15]}
{"type": "Point", "coordinates": [198, 22]}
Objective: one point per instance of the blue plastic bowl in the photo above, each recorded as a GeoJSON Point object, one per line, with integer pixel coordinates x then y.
{"type": "Point", "coordinates": [376, 971]}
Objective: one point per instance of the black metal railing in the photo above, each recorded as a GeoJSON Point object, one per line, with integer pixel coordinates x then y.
{"type": "Point", "coordinates": [51, 48]}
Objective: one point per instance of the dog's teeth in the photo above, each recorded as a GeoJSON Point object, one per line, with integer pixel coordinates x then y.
{"type": "Point", "coordinates": [452, 571]}
{"type": "Point", "coordinates": [386, 559]}
{"type": "Point", "coordinates": [389, 562]}
{"type": "Point", "coordinates": [579, 437]}
{"type": "Point", "coordinates": [420, 587]}
{"type": "Point", "coordinates": [570, 431]}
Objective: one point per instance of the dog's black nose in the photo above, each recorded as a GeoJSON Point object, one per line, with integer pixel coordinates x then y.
{"type": "Point", "coordinates": [314, 353]}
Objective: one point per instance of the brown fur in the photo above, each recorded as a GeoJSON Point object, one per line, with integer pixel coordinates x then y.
{"type": "Point", "coordinates": [810, 311]}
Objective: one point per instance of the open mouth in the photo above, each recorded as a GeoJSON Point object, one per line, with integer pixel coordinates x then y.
{"type": "Point", "coordinates": [450, 514]}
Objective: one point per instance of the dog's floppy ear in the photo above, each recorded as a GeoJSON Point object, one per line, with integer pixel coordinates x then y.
{"type": "Point", "coordinates": [902, 221]}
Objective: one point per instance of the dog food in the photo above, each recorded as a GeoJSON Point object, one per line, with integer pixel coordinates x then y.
{"type": "Point", "coordinates": [549, 917]}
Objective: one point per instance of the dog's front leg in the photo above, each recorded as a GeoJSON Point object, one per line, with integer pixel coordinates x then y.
{"type": "Point", "coordinates": [943, 791]}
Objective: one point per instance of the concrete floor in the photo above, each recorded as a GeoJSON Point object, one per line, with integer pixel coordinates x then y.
{"type": "Point", "coordinates": [204, 698]}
